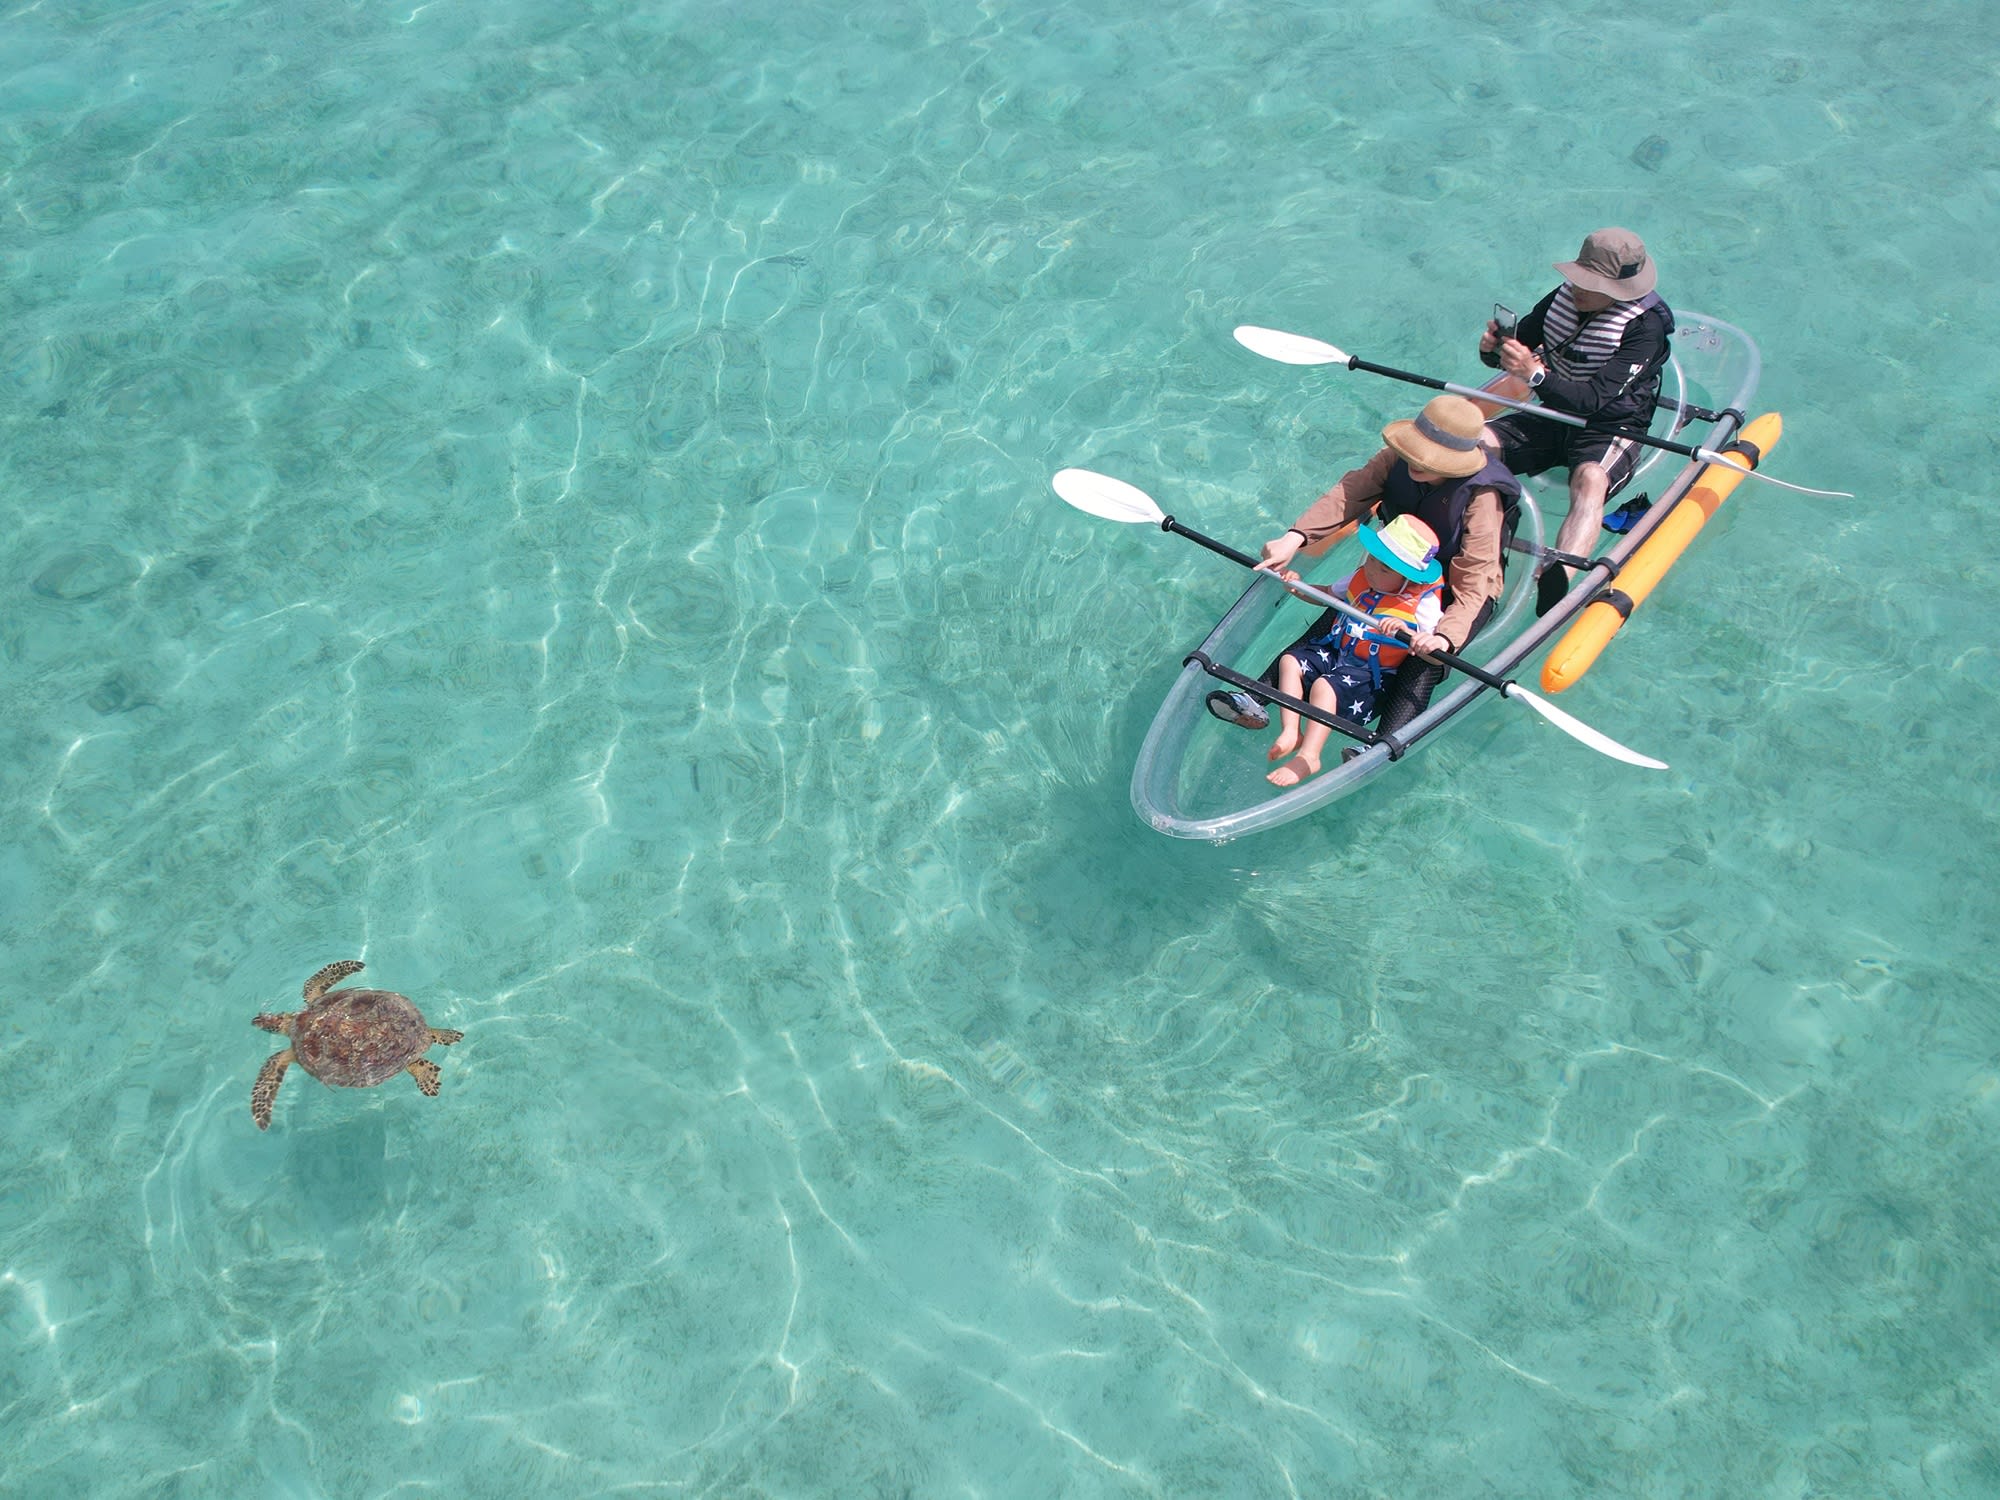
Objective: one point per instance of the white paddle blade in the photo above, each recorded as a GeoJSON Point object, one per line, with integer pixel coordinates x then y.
{"type": "Point", "coordinates": [1101, 495]}
{"type": "Point", "coordinates": [1288, 348]}
{"type": "Point", "coordinates": [1602, 743]}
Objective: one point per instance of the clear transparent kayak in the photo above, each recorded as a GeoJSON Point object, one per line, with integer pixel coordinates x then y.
{"type": "Point", "coordinates": [1199, 778]}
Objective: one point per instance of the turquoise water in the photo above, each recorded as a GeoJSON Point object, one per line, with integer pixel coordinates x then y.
{"type": "Point", "coordinates": [551, 499]}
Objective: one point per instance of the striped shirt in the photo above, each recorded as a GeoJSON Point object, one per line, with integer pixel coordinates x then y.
{"type": "Point", "coordinates": [1603, 365]}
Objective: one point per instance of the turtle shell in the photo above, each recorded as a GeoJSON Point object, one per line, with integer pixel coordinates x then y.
{"type": "Point", "coordinates": [354, 1038]}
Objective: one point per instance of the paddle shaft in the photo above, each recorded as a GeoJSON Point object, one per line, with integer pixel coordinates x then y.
{"type": "Point", "coordinates": [1320, 596]}
{"type": "Point", "coordinates": [1355, 362]}
{"type": "Point", "coordinates": [1532, 409]}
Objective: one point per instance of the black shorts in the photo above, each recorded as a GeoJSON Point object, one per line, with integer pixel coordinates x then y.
{"type": "Point", "coordinates": [1407, 693]}
{"type": "Point", "coordinates": [1530, 445]}
{"type": "Point", "coordinates": [1354, 687]}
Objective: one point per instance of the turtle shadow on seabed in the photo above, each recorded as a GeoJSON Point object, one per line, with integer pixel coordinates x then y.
{"type": "Point", "coordinates": [344, 1175]}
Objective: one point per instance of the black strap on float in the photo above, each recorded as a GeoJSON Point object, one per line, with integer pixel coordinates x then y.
{"type": "Point", "coordinates": [1746, 450]}
{"type": "Point", "coordinates": [1264, 692]}
{"type": "Point", "coordinates": [1618, 599]}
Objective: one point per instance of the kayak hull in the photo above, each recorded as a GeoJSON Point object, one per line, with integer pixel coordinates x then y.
{"type": "Point", "coordinates": [1198, 778]}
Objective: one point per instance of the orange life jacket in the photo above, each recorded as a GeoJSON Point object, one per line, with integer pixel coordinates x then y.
{"type": "Point", "coordinates": [1373, 649]}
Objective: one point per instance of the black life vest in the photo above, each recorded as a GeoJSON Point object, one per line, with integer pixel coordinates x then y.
{"type": "Point", "coordinates": [1576, 346]}
{"type": "Point", "coordinates": [1442, 506]}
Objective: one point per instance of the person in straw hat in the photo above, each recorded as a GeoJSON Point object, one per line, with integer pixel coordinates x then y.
{"type": "Point", "coordinates": [1340, 665]}
{"type": "Point", "coordinates": [1594, 348]}
{"type": "Point", "coordinates": [1433, 468]}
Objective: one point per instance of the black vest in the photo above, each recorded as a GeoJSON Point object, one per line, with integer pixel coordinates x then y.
{"type": "Point", "coordinates": [1441, 506]}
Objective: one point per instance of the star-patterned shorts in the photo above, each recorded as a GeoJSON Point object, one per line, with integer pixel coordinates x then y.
{"type": "Point", "coordinates": [1353, 686]}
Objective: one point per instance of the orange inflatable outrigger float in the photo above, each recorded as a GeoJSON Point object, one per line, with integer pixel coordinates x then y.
{"type": "Point", "coordinates": [1613, 604]}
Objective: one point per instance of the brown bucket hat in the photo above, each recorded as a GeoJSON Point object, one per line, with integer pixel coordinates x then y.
{"type": "Point", "coordinates": [1614, 262]}
{"type": "Point", "coordinates": [1443, 437]}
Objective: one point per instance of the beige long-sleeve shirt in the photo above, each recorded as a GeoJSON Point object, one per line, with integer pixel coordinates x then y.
{"type": "Point", "coordinates": [1473, 575]}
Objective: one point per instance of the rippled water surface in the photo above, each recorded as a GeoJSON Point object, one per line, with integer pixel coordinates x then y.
{"type": "Point", "coordinates": [551, 499]}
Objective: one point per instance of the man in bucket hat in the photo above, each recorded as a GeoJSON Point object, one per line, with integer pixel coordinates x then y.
{"type": "Point", "coordinates": [1593, 347]}
{"type": "Point", "coordinates": [1434, 468]}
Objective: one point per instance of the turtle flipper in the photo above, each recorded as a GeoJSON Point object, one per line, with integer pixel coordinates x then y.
{"type": "Point", "coordinates": [445, 1038]}
{"type": "Point", "coordinates": [266, 1090]}
{"type": "Point", "coordinates": [280, 1024]}
{"type": "Point", "coordinates": [426, 1073]}
{"type": "Point", "coordinates": [331, 975]}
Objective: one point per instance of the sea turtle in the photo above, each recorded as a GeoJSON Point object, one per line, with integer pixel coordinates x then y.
{"type": "Point", "coordinates": [349, 1038]}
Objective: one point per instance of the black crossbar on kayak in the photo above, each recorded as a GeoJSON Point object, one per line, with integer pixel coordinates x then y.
{"type": "Point", "coordinates": [1257, 688]}
{"type": "Point", "coordinates": [1603, 563]}
{"type": "Point", "coordinates": [1692, 413]}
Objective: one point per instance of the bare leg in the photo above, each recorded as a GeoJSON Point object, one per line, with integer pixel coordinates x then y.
{"type": "Point", "coordinates": [265, 1091]}
{"type": "Point", "coordinates": [1316, 734]}
{"type": "Point", "coordinates": [426, 1073]}
{"type": "Point", "coordinates": [1291, 679]}
{"type": "Point", "coordinates": [1587, 486]}
{"type": "Point", "coordinates": [1306, 763]}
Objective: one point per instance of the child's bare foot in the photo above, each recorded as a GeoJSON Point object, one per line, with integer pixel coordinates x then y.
{"type": "Point", "coordinates": [1283, 745]}
{"type": "Point", "coordinates": [1292, 773]}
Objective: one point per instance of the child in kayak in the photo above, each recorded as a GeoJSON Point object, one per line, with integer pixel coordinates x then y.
{"type": "Point", "coordinates": [1340, 664]}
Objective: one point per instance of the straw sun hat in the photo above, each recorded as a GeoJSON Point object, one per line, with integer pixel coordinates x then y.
{"type": "Point", "coordinates": [1442, 438]}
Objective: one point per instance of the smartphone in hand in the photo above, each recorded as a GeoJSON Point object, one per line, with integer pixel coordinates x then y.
{"type": "Point", "coordinates": [1505, 319]}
